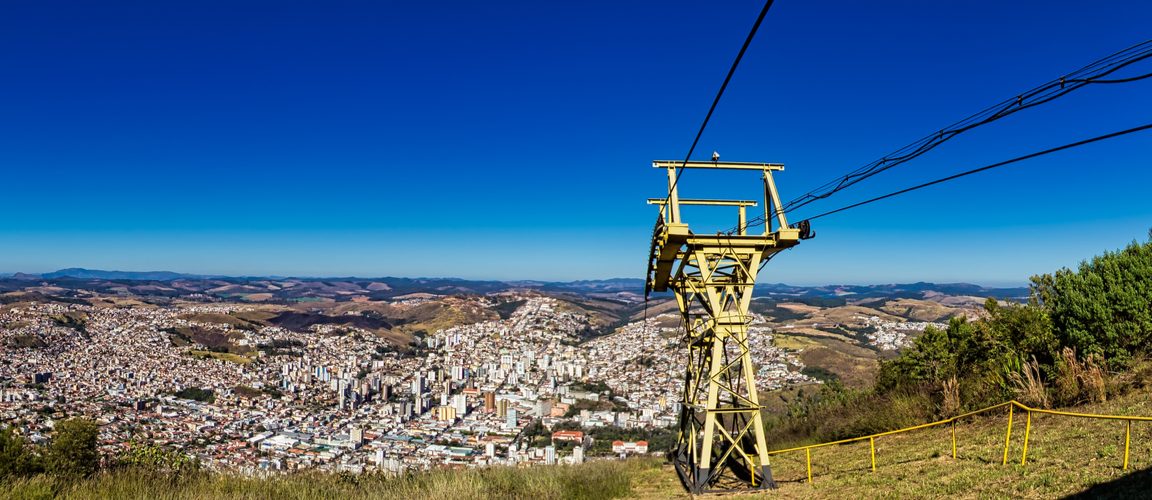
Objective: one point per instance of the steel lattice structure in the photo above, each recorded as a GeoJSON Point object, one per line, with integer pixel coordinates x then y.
{"type": "Point", "coordinates": [721, 443]}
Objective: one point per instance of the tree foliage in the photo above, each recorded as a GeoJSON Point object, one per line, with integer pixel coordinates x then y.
{"type": "Point", "coordinates": [153, 458]}
{"type": "Point", "coordinates": [72, 451]}
{"type": "Point", "coordinates": [196, 394]}
{"type": "Point", "coordinates": [1104, 307]}
{"type": "Point", "coordinates": [16, 458]}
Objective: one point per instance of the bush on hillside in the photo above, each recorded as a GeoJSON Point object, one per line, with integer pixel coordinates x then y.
{"type": "Point", "coordinates": [196, 394]}
{"type": "Point", "coordinates": [16, 458]}
{"type": "Point", "coordinates": [72, 452]}
{"type": "Point", "coordinates": [1105, 307]}
{"type": "Point", "coordinates": [156, 459]}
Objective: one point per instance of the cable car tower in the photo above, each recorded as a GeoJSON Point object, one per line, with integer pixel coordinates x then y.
{"type": "Point", "coordinates": [721, 442]}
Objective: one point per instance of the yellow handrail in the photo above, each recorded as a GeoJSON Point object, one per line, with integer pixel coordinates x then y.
{"type": "Point", "coordinates": [897, 431]}
{"type": "Point", "coordinates": [1012, 404]}
{"type": "Point", "coordinates": [1127, 429]}
{"type": "Point", "coordinates": [1081, 415]}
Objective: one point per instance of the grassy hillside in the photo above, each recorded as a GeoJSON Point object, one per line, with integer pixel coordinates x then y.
{"type": "Point", "coordinates": [595, 480]}
{"type": "Point", "coordinates": [1066, 456]}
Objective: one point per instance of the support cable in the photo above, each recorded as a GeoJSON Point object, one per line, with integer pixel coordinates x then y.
{"type": "Point", "coordinates": [988, 167]}
{"type": "Point", "coordinates": [1093, 73]}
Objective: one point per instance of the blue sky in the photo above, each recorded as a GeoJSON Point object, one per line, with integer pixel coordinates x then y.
{"type": "Point", "coordinates": [513, 140]}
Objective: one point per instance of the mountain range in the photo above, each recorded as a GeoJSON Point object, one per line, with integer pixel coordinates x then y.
{"type": "Point", "coordinates": [172, 284]}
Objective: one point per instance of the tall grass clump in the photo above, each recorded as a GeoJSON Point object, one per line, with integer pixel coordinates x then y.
{"type": "Point", "coordinates": [1080, 380]}
{"type": "Point", "coordinates": [1029, 384]}
{"type": "Point", "coordinates": [950, 393]}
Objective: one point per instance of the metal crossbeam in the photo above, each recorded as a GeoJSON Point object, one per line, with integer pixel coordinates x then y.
{"type": "Point", "coordinates": [717, 165]}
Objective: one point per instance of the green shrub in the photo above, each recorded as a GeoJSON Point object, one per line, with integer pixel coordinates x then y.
{"type": "Point", "coordinates": [16, 457]}
{"type": "Point", "coordinates": [156, 459]}
{"type": "Point", "coordinates": [196, 394]}
{"type": "Point", "coordinates": [1104, 308]}
{"type": "Point", "coordinates": [72, 452]}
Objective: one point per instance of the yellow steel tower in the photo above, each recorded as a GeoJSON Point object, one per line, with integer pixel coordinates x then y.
{"type": "Point", "coordinates": [721, 442]}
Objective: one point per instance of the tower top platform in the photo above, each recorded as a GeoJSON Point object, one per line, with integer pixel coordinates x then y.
{"type": "Point", "coordinates": [672, 239]}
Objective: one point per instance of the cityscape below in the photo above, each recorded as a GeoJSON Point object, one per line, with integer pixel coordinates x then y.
{"type": "Point", "coordinates": [266, 374]}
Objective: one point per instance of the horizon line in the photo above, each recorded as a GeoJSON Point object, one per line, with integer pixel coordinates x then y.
{"type": "Point", "coordinates": [187, 275]}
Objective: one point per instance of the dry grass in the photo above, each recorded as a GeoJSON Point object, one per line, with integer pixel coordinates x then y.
{"type": "Point", "coordinates": [854, 365]}
{"type": "Point", "coordinates": [795, 342]}
{"type": "Point", "coordinates": [589, 481]}
{"type": "Point", "coordinates": [798, 308]}
{"type": "Point", "coordinates": [258, 297]}
{"type": "Point", "coordinates": [222, 356]}
{"type": "Point", "coordinates": [950, 389]}
{"type": "Point", "coordinates": [1029, 385]}
{"type": "Point", "coordinates": [1066, 456]}
{"type": "Point", "coordinates": [1080, 381]}
{"type": "Point", "coordinates": [224, 319]}
{"type": "Point", "coordinates": [919, 310]}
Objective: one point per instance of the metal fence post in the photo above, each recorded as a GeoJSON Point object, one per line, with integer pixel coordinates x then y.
{"type": "Point", "coordinates": [1027, 431]}
{"type": "Point", "coordinates": [808, 456]}
{"type": "Point", "coordinates": [1127, 441]}
{"type": "Point", "coordinates": [872, 444]}
{"type": "Point", "coordinates": [1007, 436]}
{"type": "Point", "coordinates": [953, 440]}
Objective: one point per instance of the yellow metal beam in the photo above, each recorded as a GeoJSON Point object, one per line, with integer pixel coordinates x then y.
{"type": "Point", "coordinates": [1127, 441]}
{"type": "Point", "coordinates": [718, 203]}
{"type": "Point", "coordinates": [1007, 436]}
{"type": "Point", "coordinates": [872, 446]}
{"type": "Point", "coordinates": [953, 440]}
{"type": "Point", "coordinates": [718, 165]}
{"type": "Point", "coordinates": [1027, 433]}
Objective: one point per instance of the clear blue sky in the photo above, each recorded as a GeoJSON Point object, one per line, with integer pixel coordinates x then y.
{"type": "Point", "coordinates": [513, 140]}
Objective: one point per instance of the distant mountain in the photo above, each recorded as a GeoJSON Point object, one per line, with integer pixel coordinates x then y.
{"type": "Point", "coordinates": [172, 284]}
{"type": "Point", "coordinates": [904, 290]}
{"type": "Point", "coordinates": [611, 285]}
{"type": "Point", "coordinates": [96, 274]}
